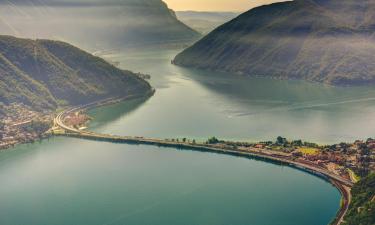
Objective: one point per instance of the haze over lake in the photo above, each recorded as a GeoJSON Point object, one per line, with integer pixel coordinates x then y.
{"type": "Point", "coordinates": [68, 181]}
{"type": "Point", "coordinates": [201, 104]}
{"type": "Point", "coordinates": [127, 112]}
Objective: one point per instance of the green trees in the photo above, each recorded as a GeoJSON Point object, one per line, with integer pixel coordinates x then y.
{"type": "Point", "coordinates": [362, 207]}
{"type": "Point", "coordinates": [37, 126]}
{"type": "Point", "coordinates": [221, 51]}
{"type": "Point", "coordinates": [281, 141]}
{"type": "Point", "coordinates": [61, 73]}
{"type": "Point", "coordinates": [213, 140]}
{"type": "Point", "coordinates": [298, 143]}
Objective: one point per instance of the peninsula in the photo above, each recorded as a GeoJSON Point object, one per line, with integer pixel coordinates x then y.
{"type": "Point", "coordinates": [40, 76]}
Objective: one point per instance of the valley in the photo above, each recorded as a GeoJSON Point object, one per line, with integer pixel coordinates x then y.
{"type": "Point", "coordinates": [128, 112]}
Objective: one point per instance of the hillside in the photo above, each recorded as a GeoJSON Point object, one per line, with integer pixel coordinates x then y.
{"type": "Point", "coordinates": [330, 41]}
{"type": "Point", "coordinates": [205, 22]}
{"type": "Point", "coordinates": [362, 209]}
{"type": "Point", "coordinates": [44, 74]}
{"type": "Point", "coordinates": [94, 24]}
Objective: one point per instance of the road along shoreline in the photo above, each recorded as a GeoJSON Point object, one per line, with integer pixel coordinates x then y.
{"type": "Point", "coordinates": [342, 184]}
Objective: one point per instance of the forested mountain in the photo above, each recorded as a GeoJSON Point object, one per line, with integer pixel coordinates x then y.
{"type": "Point", "coordinates": [95, 24]}
{"type": "Point", "coordinates": [331, 41]}
{"type": "Point", "coordinates": [44, 74]}
{"type": "Point", "coordinates": [362, 208]}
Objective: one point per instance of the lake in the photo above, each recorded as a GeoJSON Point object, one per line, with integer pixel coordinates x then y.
{"type": "Point", "coordinates": [198, 104]}
{"type": "Point", "coordinates": [73, 182]}
{"type": "Point", "coordinates": [65, 181]}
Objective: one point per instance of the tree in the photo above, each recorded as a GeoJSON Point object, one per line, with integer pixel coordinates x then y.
{"type": "Point", "coordinates": [213, 140]}
{"type": "Point", "coordinates": [297, 143]}
{"type": "Point", "coordinates": [362, 207]}
{"type": "Point", "coordinates": [281, 141]}
{"type": "Point", "coordinates": [37, 126]}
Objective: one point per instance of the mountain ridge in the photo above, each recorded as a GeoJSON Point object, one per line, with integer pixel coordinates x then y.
{"type": "Point", "coordinates": [328, 41]}
{"type": "Point", "coordinates": [95, 25]}
{"type": "Point", "coordinates": [46, 74]}
{"type": "Point", "coordinates": [205, 22]}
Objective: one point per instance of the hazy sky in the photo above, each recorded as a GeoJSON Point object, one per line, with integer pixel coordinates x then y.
{"type": "Point", "coordinates": [216, 5]}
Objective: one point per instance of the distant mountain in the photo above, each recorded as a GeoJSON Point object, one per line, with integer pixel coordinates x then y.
{"type": "Point", "coordinates": [330, 41]}
{"type": "Point", "coordinates": [95, 24]}
{"type": "Point", "coordinates": [205, 22]}
{"type": "Point", "coordinates": [46, 74]}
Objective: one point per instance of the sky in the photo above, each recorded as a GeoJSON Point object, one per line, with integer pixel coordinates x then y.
{"type": "Point", "coordinates": [216, 5]}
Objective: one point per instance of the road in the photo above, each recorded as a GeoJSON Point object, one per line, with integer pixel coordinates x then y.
{"type": "Point", "coordinates": [341, 183]}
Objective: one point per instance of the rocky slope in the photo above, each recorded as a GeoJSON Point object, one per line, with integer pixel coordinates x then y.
{"type": "Point", "coordinates": [330, 41]}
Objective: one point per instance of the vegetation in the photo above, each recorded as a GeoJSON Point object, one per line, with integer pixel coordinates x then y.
{"type": "Point", "coordinates": [213, 140]}
{"type": "Point", "coordinates": [37, 126]}
{"type": "Point", "coordinates": [43, 74]}
{"type": "Point", "coordinates": [354, 175]}
{"type": "Point", "coordinates": [362, 208]}
{"type": "Point", "coordinates": [283, 142]}
{"type": "Point", "coordinates": [308, 151]}
{"type": "Point", "coordinates": [321, 41]}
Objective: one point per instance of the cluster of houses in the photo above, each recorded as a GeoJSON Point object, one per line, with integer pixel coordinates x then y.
{"type": "Point", "coordinates": [15, 125]}
{"type": "Point", "coordinates": [343, 158]}
{"type": "Point", "coordinates": [18, 126]}
{"type": "Point", "coordinates": [347, 160]}
{"type": "Point", "coordinates": [77, 120]}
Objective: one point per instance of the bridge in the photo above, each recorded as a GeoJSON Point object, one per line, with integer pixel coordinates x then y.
{"type": "Point", "coordinates": [255, 153]}
{"type": "Point", "coordinates": [343, 185]}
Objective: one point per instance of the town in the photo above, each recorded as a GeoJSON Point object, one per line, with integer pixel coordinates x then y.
{"type": "Point", "coordinates": [348, 160]}
{"type": "Point", "coordinates": [22, 125]}
{"type": "Point", "coordinates": [351, 161]}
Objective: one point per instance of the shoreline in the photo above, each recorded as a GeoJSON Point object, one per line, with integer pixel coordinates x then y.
{"type": "Point", "coordinates": [49, 133]}
{"type": "Point", "coordinates": [343, 187]}
{"type": "Point", "coordinates": [276, 78]}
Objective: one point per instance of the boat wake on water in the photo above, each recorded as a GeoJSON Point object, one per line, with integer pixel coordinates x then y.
{"type": "Point", "coordinates": [305, 105]}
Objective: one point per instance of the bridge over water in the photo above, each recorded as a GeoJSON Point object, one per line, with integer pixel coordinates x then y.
{"type": "Point", "coordinates": [343, 185]}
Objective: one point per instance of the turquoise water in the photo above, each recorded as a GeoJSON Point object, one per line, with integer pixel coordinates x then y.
{"type": "Point", "coordinates": [196, 104]}
{"type": "Point", "coordinates": [65, 181]}
{"type": "Point", "coordinates": [73, 182]}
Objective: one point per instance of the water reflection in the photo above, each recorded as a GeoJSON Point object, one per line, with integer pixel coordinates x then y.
{"type": "Point", "coordinates": [199, 104]}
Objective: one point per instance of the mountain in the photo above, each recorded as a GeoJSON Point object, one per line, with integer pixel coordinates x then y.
{"type": "Point", "coordinates": [330, 41]}
{"type": "Point", "coordinates": [95, 24]}
{"type": "Point", "coordinates": [46, 74]}
{"type": "Point", "coordinates": [205, 22]}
